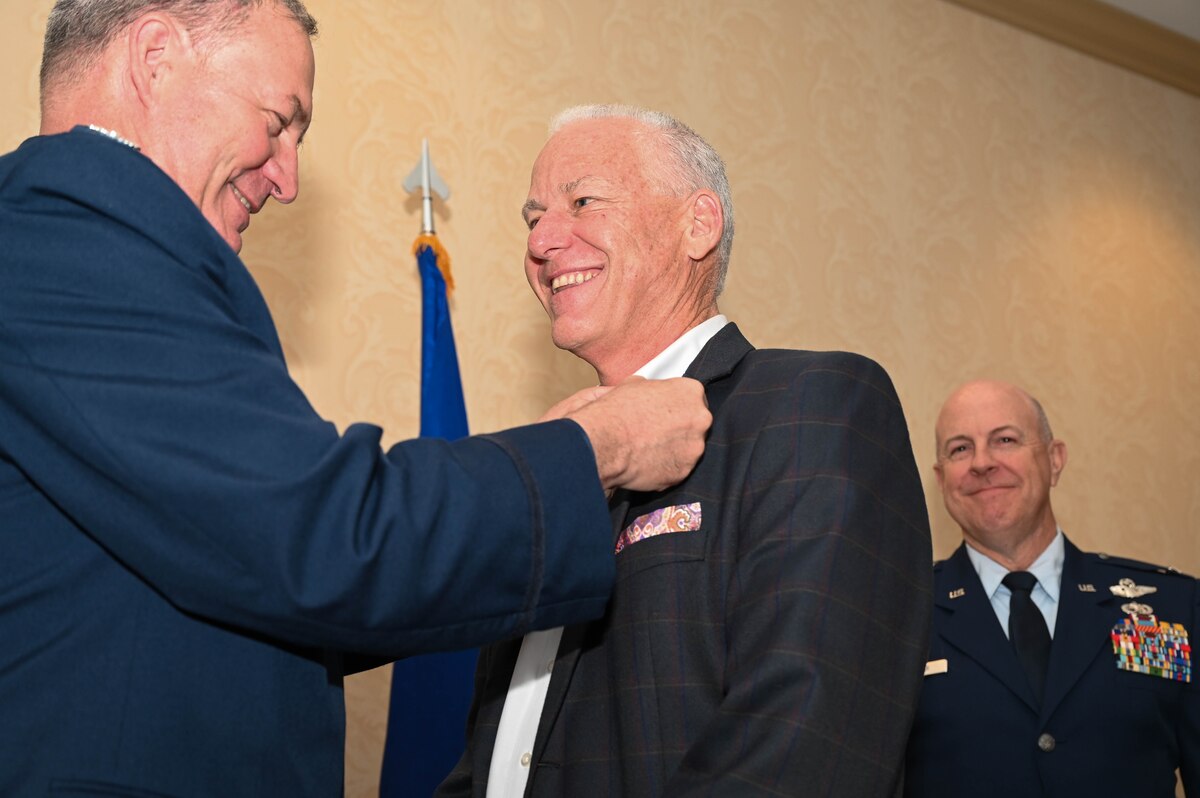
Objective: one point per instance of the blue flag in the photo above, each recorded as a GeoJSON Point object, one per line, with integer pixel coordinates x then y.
{"type": "Point", "coordinates": [431, 694]}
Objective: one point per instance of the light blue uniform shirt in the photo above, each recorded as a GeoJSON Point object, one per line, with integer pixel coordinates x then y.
{"type": "Point", "coordinates": [1048, 568]}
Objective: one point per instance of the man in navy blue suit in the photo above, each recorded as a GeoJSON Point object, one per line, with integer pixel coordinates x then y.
{"type": "Point", "coordinates": [1051, 672]}
{"type": "Point", "coordinates": [190, 557]}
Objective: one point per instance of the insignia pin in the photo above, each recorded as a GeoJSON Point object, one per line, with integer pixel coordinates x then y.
{"type": "Point", "coordinates": [1087, 588]}
{"type": "Point", "coordinates": [1126, 588]}
{"type": "Point", "coordinates": [959, 593]}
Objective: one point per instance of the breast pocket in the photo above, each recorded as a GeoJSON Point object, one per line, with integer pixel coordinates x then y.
{"type": "Point", "coordinates": [664, 549]}
{"type": "Point", "coordinates": [672, 533]}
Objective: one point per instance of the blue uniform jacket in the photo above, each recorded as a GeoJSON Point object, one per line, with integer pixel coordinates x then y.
{"type": "Point", "coordinates": [190, 557]}
{"type": "Point", "coordinates": [1101, 731]}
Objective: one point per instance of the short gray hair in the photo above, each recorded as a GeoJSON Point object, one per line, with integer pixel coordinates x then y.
{"type": "Point", "coordinates": [79, 30]}
{"type": "Point", "coordinates": [697, 165]}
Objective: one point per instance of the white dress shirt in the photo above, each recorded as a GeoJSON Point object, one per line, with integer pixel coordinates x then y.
{"type": "Point", "coordinates": [513, 752]}
{"type": "Point", "coordinates": [1048, 568]}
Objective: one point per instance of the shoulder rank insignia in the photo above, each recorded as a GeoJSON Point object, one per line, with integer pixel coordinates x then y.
{"type": "Point", "coordinates": [1143, 644]}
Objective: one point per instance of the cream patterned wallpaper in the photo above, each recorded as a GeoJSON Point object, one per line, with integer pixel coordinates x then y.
{"type": "Point", "coordinates": [949, 195]}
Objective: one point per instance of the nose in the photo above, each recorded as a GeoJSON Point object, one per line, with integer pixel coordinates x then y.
{"type": "Point", "coordinates": [551, 233]}
{"type": "Point", "coordinates": [982, 460]}
{"type": "Point", "coordinates": [283, 170]}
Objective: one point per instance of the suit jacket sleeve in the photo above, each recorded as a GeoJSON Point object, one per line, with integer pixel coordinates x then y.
{"type": "Point", "coordinates": [829, 605]}
{"type": "Point", "coordinates": [144, 394]}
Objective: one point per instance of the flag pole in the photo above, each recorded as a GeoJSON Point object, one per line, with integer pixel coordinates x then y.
{"type": "Point", "coordinates": [431, 694]}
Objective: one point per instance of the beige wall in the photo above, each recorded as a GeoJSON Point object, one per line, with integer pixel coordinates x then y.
{"type": "Point", "coordinates": [949, 195]}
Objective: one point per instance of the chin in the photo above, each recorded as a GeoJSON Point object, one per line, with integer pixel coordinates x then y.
{"type": "Point", "coordinates": [562, 336]}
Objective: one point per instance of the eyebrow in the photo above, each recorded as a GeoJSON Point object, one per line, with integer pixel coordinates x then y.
{"type": "Point", "coordinates": [298, 113]}
{"type": "Point", "coordinates": [953, 438]}
{"type": "Point", "coordinates": [565, 188]}
{"type": "Point", "coordinates": [967, 438]}
{"type": "Point", "coordinates": [530, 206]}
{"type": "Point", "coordinates": [1004, 427]}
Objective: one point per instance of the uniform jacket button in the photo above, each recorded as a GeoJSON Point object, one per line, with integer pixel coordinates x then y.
{"type": "Point", "coordinates": [1046, 742]}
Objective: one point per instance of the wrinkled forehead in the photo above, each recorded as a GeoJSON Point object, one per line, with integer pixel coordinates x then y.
{"type": "Point", "coordinates": [614, 150]}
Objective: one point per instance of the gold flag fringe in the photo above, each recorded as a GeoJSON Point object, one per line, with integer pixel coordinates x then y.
{"type": "Point", "coordinates": [430, 241]}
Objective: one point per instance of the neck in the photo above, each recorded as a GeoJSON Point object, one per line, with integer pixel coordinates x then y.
{"type": "Point", "coordinates": [1021, 550]}
{"type": "Point", "coordinates": [636, 351]}
{"type": "Point", "coordinates": [87, 100]}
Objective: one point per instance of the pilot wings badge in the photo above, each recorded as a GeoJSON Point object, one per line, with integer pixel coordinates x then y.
{"type": "Point", "coordinates": [1127, 588]}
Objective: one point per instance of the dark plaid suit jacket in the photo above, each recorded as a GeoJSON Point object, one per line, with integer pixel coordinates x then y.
{"type": "Point", "coordinates": [777, 650]}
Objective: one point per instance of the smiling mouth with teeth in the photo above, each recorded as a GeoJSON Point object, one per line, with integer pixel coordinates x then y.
{"type": "Point", "coordinates": [241, 198]}
{"type": "Point", "coordinates": [568, 280]}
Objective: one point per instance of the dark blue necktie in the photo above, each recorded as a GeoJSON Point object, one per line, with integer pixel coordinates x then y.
{"type": "Point", "coordinates": [1027, 630]}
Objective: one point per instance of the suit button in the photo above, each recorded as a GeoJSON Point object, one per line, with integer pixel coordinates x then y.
{"type": "Point", "coordinates": [1046, 742]}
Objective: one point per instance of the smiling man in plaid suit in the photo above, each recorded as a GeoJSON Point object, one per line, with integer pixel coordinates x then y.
{"type": "Point", "coordinates": [768, 627]}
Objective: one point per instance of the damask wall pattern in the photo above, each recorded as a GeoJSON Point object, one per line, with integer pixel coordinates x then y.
{"type": "Point", "coordinates": [949, 195]}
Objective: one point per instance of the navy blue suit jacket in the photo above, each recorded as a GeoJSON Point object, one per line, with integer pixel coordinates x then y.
{"type": "Point", "coordinates": [190, 557]}
{"type": "Point", "coordinates": [776, 650]}
{"type": "Point", "coordinates": [1100, 731]}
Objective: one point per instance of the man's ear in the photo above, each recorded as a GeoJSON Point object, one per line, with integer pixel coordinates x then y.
{"type": "Point", "coordinates": [706, 221]}
{"type": "Point", "coordinates": [156, 44]}
{"type": "Point", "coordinates": [1057, 451]}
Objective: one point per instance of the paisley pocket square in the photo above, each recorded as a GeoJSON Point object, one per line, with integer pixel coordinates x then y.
{"type": "Point", "coordinates": [663, 521]}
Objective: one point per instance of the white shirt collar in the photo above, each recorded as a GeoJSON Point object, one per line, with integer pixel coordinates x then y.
{"type": "Point", "coordinates": [675, 359]}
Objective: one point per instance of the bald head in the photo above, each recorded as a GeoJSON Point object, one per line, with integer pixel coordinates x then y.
{"type": "Point", "coordinates": [978, 392]}
{"type": "Point", "coordinates": [996, 463]}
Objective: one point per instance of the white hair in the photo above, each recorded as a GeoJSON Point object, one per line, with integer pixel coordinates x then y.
{"type": "Point", "coordinates": [697, 165]}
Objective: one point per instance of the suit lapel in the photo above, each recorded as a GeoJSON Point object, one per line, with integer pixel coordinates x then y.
{"type": "Point", "coordinates": [716, 360]}
{"type": "Point", "coordinates": [498, 661]}
{"type": "Point", "coordinates": [1082, 630]}
{"type": "Point", "coordinates": [618, 508]}
{"type": "Point", "coordinates": [720, 355]}
{"type": "Point", "coordinates": [971, 625]}
{"type": "Point", "coordinates": [569, 648]}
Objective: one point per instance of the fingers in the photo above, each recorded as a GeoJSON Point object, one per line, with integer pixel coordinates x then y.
{"type": "Point", "coordinates": [647, 434]}
{"type": "Point", "coordinates": [579, 399]}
